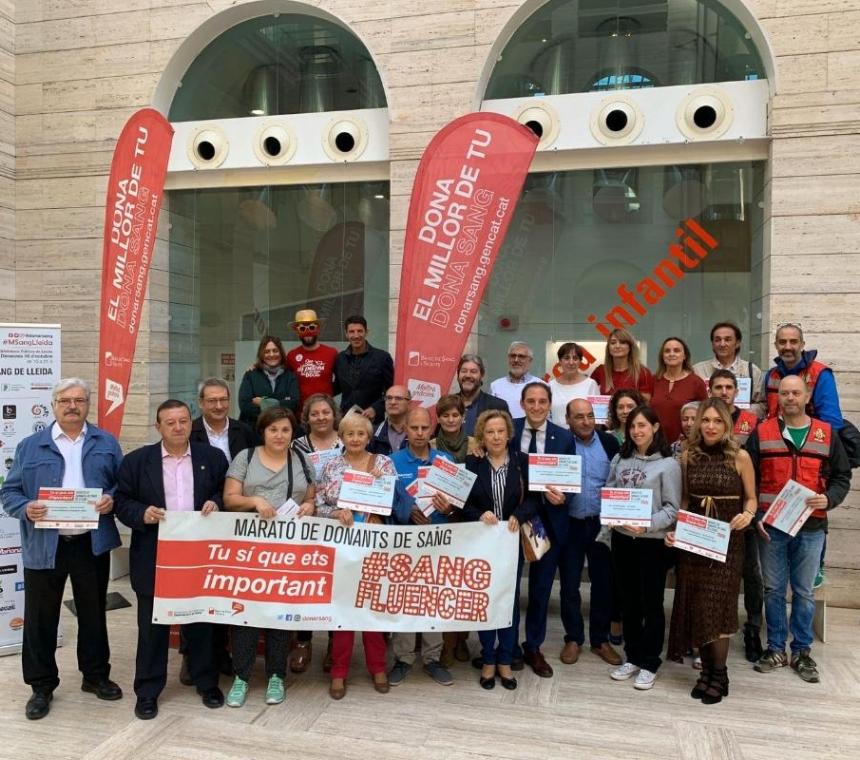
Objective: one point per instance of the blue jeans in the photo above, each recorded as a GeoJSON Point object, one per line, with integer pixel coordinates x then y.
{"type": "Point", "coordinates": [787, 560]}
{"type": "Point", "coordinates": [507, 637]}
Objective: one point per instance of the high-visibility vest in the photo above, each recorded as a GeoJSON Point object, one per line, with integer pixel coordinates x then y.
{"type": "Point", "coordinates": [779, 462]}
{"type": "Point", "coordinates": [744, 426]}
{"type": "Point", "coordinates": [809, 374]}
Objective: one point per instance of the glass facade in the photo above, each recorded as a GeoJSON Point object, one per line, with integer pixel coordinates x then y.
{"type": "Point", "coordinates": [569, 46]}
{"type": "Point", "coordinates": [285, 65]}
{"type": "Point", "coordinates": [244, 260]}
{"type": "Point", "coordinates": [582, 242]}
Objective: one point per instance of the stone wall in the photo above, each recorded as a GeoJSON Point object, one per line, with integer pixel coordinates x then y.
{"type": "Point", "coordinates": [81, 67]}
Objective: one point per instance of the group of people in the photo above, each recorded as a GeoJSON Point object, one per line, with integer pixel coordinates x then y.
{"type": "Point", "coordinates": [678, 433]}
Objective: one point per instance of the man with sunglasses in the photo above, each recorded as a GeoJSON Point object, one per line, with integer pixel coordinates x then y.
{"type": "Point", "coordinates": [510, 387]}
{"type": "Point", "coordinates": [71, 453]}
{"type": "Point", "coordinates": [312, 361]}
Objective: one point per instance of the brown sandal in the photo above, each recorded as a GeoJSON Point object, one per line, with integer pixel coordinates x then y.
{"type": "Point", "coordinates": [380, 682]}
{"type": "Point", "coordinates": [337, 692]}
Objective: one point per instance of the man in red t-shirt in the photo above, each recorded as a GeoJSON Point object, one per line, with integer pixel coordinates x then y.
{"type": "Point", "coordinates": [312, 361]}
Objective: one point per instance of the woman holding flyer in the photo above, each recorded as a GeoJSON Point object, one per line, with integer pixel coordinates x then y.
{"type": "Point", "coordinates": [641, 558]}
{"type": "Point", "coordinates": [355, 431]}
{"type": "Point", "coordinates": [719, 482]}
{"type": "Point", "coordinates": [320, 417]}
{"type": "Point", "coordinates": [267, 479]}
{"type": "Point", "coordinates": [500, 493]}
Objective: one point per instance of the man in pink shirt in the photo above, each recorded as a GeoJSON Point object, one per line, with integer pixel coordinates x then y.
{"type": "Point", "coordinates": [171, 475]}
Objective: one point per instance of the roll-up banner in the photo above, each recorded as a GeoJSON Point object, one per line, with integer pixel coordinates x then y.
{"type": "Point", "coordinates": [317, 574]}
{"type": "Point", "coordinates": [134, 196]}
{"type": "Point", "coordinates": [29, 369]}
{"type": "Point", "coordinates": [465, 192]}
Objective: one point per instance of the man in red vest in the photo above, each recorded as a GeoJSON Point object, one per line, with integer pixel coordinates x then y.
{"type": "Point", "coordinates": [800, 448]}
{"type": "Point", "coordinates": [723, 385]}
{"type": "Point", "coordinates": [793, 359]}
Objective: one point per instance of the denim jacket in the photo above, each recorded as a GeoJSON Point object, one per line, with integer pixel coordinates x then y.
{"type": "Point", "coordinates": [39, 463]}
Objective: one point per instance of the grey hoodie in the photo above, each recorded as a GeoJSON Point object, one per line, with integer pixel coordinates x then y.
{"type": "Point", "coordinates": [662, 475]}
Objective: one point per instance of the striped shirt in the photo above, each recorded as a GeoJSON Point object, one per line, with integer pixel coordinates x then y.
{"type": "Point", "coordinates": [498, 479]}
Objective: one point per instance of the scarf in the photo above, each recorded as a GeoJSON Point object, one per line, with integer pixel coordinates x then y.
{"type": "Point", "coordinates": [457, 448]}
{"type": "Point", "coordinates": [273, 373]}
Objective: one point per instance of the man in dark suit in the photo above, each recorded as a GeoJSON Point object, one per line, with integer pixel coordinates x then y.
{"type": "Point", "coordinates": [597, 450]}
{"type": "Point", "coordinates": [470, 377]}
{"type": "Point", "coordinates": [362, 372]}
{"type": "Point", "coordinates": [535, 434]}
{"type": "Point", "coordinates": [216, 428]}
{"type": "Point", "coordinates": [173, 474]}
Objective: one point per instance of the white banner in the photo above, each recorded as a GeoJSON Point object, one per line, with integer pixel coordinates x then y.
{"type": "Point", "coordinates": [29, 368]}
{"type": "Point", "coordinates": [317, 574]}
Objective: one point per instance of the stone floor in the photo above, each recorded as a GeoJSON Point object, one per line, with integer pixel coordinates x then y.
{"type": "Point", "coordinates": [580, 713]}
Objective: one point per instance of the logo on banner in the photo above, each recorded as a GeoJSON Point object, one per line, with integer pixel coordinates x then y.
{"type": "Point", "coordinates": [114, 394]}
{"type": "Point", "coordinates": [39, 426]}
{"type": "Point", "coordinates": [10, 411]}
{"type": "Point", "coordinates": [237, 607]}
{"type": "Point", "coordinates": [39, 410]}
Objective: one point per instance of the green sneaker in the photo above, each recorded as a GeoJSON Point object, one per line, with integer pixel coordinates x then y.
{"type": "Point", "coordinates": [819, 578]}
{"type": "Point", "coordinates": [275, 691]}
{"type": "Point", "coordinates": [238, 692]}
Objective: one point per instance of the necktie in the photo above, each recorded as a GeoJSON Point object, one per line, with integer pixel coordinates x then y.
{"type": "Point", "coordinates": [533, 442]}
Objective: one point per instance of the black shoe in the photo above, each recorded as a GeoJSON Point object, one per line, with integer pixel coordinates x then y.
{"type": "Point", "coordinates": [517, 663]}
{"type": "Point", "coordinates": [212, 698]}
{"type": "Point", "coordinates": [39, 705]}
{"type": "Point", "coordinates": [185, 672]}
{"type": "Point", "coordinates": [103, 689]}
{"type": "Point", "coordinates": [146, 708]}
{"type": "Point", "coordinates": [508, 683]}
{"type": "Point", "coordinates": [752, 643]}
{"type": "Point", "coordinates": [477, 663]}
{"type": "Point", "coordinates": [488, 683]}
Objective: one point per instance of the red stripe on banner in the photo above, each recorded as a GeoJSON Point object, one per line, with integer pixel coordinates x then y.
{"type": "Point", "coordinates": [134, 194]}
{"type": "Point", "coordinates": [250, 554]}
{"type": "Point", "coordinates": [248, 585]}
{"type": "Point", "coordinates": [465, 193]}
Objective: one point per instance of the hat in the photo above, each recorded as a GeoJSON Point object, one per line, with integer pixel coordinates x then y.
{"type": "Point", "coordinates": [305, 315]}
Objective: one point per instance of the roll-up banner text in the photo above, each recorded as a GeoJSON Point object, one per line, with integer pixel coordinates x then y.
{"type": "Point", "coordinates": [465, 192]}
{"type": "Point", "coordinates": [134, 195]}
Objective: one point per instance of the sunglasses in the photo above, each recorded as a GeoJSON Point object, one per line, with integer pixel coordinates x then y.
{"type": "Point", "coordinates": [307, 327]}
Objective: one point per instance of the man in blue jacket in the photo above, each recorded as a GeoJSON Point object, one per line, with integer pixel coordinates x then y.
{"type": "Point", "coordinates": [417, 453]}
{"type": "Point", "coordinates": [69, 454]}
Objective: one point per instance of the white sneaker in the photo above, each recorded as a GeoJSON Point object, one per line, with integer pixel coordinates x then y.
{"type": "Point", "coordinates": [623, 672]}
{"type": "Point", "coordinates": [644, 680]}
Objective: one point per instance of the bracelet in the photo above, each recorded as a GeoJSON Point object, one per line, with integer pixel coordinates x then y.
{"type": "Point", "coordinates": [747, 512]}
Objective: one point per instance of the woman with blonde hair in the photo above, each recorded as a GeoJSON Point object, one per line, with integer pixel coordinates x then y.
{"type": "Point", "coordinates": [355, 431]}
{"type": "Point", "coordinates": [718, 482]}
{"type": "Point", "coordinates": [622, 367]}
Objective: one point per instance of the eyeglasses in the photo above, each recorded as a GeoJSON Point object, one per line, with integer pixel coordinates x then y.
{"type": "Point", "coordinates": [520, 357]}
{"type": "Point", "coordinates": [396, 398]}
{"type": "Point", "coordinates": [308, 327]}
{"type": "Point", "coordinates": [217, 401]}
{"type": "Point", "coordinates": [72, 401]}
